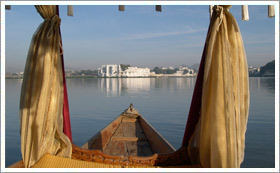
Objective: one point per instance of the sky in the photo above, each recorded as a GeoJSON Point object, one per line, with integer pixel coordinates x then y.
{"type": "Point", "coordinates": [139, 36]}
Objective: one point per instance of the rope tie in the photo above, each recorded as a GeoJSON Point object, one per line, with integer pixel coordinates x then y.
{"type": "Point", "coordinates": [219, 10]}
{"type": "Point", "coordinates": [55, 23]}
{"type": "Point", "coordinates": [54, 28]}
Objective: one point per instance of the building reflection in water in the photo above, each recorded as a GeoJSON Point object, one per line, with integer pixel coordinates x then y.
{"type": "Point", "coordinates": [134, 87]}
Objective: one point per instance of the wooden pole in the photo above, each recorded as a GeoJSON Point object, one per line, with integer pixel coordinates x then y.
{"type": "Point", "coordinates": [8, 7]}
{"type": "Point", "coordinates": [245, 13]}
{"type": "Point", "coordinates": [158, 8]}
{"type": "Point", "coordinates": [121, 7]}
{"type": "Point", "coordinates": [70, 10]}
{"type": "Point", "coordinates": [271, 11]}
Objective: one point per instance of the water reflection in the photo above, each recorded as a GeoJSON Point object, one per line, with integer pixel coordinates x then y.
{"type": "Point", "coordinates": [262, 84]}
{"type": "Point", "coordinates": [88, 83]}
{"type": "Point", "coordinates": [172, 83]}
{"type": "Point", "coordinates": [140, 87]}
{"type": "Point", "coordinates": [113, 87]}
{"type": "Point", "coordinates": [110, 86]}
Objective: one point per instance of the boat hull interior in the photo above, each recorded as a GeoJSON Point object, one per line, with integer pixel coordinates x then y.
{"type": "Point", "coordinates": [129, 136]}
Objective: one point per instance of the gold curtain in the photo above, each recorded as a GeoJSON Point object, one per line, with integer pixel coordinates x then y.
{"type": "Point", "coordinates": [219, 137]}
{"type": "Point", "coordinates": [41, 102]}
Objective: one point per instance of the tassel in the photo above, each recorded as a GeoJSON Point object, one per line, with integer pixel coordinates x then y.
{"type": "Point", "coordinates": [70, 10]}
{"type": "Point", "coordinates": [158, 8]}
{"type": "Point", "coordinates": [121, 7]}
{"type": "Point", "coordinates": [271, 11]}
{"type": "Point", "coordinates": [211, 10]}
{"type": "Point", "coordinates": [7, 7]}
{"type": "Point", "coordinates": [245, 12]}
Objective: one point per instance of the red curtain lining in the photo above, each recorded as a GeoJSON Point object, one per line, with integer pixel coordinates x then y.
{"type": "Point", "coordinates": [194, 112]}
{"type": "Point", "coordinates": [66, 113]}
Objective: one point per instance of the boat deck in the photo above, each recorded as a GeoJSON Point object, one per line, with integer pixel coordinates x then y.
{"type": "Point", "coordinates": [129, 135]}
{"type": "Point", "coordinates": [129, 140]}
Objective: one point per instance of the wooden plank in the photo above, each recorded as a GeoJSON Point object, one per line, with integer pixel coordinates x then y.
{"type": "Point", "coordinates": [132, 120]}
{"type": "Point", "coordinates": [119, 131]}
{"type": "Point", "coordinates": [139, 132]}
{"type": "Point", "coordinates": [124, 139]}
{"type": "Point", "coordinates": [143, 148]}
{"type": "Point", "coordinates": [129, 129]}
{"type": "Point", "coordinates": [95, 143]}
{"type": "Point", "coordinates": [132, 148]}
{"type": "Point", "coordinates": [116, 148]}
{"type": "Point", "coordinates": [157, 143]}
{"type": "Point", "coordinates": [101, 139]}
{"type": "Point", "coordinates": [126, 142]}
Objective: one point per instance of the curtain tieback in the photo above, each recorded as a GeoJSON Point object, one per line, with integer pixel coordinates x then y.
{"type": "Point", "coordinates": [219, 10]}
{"type": "Point", "coordinates": [55, 23]}
{"type": "Point", "coordinates": [54, 28]}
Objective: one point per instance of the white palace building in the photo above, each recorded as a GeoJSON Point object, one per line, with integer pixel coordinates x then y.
{"type": "Point", "coordinates": [116, 71]}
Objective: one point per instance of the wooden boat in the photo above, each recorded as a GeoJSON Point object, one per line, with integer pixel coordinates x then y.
{"type": "Point", "coordinates": [129, 135]}
{"type": "Point", "coordinates": [130, 140]}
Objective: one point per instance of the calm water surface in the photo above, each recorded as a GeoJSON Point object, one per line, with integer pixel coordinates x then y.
{"type": "Point", "coordinates": [164, 102]}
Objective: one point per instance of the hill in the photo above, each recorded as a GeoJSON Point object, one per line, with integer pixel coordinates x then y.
{"type": "Point", "coordinates": [268, 70]}
{"type": "Point", "coordinates": [195, 67]}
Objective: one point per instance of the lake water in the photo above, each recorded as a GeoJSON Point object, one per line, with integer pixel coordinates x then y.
{"type": "Point", "coordinates": [164, 103]}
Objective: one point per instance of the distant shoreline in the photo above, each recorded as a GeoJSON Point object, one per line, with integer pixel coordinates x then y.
{"type": "Point", "coordinates": [87, 77]}
{"type": "Point", "coordinates": [115, 77]}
